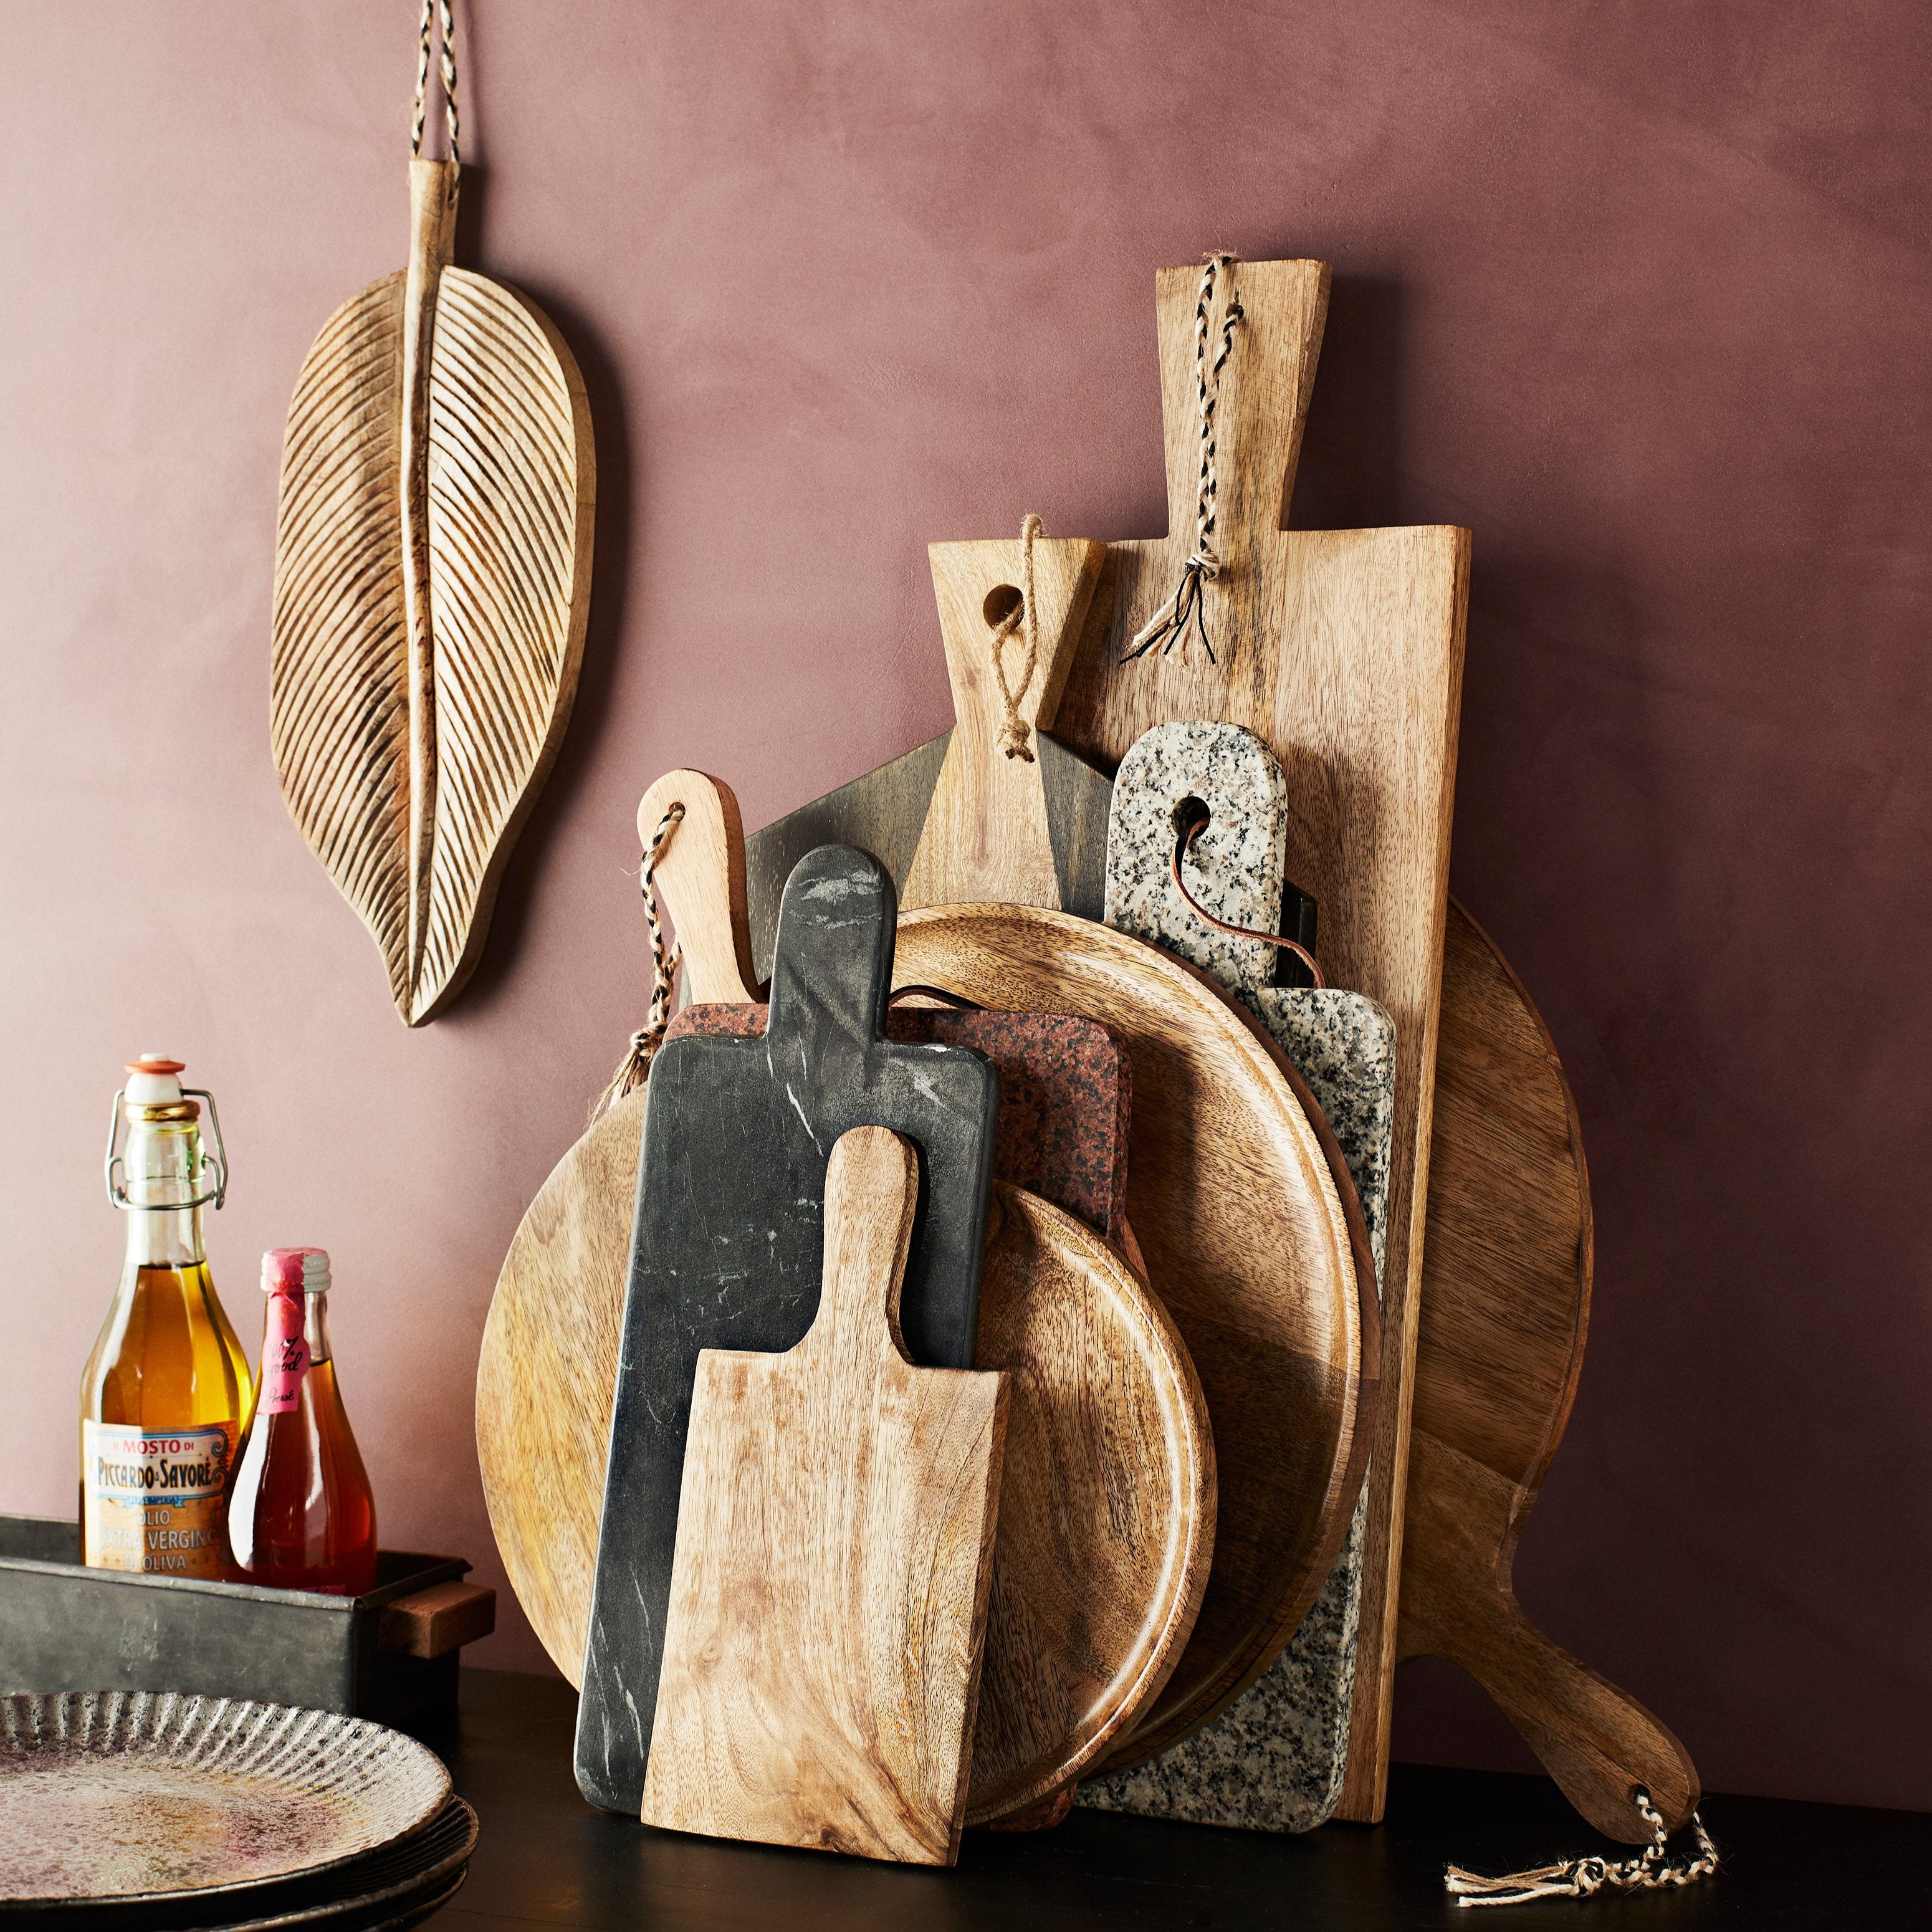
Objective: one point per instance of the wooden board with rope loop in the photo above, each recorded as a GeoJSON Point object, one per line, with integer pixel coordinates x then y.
{"type": "Point", "coordinates": [1343, 649]}
{"type": "Point", "coordinates": [1505, 1311]}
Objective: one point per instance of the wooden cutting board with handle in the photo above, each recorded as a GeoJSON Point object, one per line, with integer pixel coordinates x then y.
{"type": "Point", "coordinates": [1505, 1311]}
{"type": "Point", "coordinates": [726, 1245]}
{"type": "Point", "coordinates": [956, 819]}
{"type": "Point", "coordinates": [1104, 1547]}
{"type": "Point", "coordinates": [834, 1556]}
{"type": "Point", "coordinates": [1342, 650]}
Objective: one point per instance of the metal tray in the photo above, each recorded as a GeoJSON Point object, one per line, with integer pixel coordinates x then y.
{"type": "Point", "coordinates": [390, 1655]}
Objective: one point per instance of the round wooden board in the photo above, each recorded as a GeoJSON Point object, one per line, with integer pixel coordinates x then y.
{"type": "Point", "coordinates": [1256, 1252]}
{"type": "Point", "coordinates": [1107, 1508]}
{"type": "Point", "coordinates": [547, 1375]}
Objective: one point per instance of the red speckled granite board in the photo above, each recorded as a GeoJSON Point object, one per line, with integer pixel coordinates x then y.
{"type": "Point", "coordinates": [1066, 1089]}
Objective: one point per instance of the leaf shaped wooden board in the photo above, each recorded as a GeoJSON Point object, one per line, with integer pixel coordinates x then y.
{"type": "Point", "coordinates": [432, 583]}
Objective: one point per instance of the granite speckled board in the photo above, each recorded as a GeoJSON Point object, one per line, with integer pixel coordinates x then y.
{"type": "Point", "coordinates": [728, 1243]}
{"type": "Point", "coordinates": [1274, 1759]}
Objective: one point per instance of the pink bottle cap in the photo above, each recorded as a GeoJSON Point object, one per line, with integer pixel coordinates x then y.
{"type": "Point", "coordinates": [295, 1271]}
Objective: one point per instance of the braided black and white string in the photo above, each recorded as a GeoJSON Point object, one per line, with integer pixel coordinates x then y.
{"type": "Point", "coordinates": [1582, 1878]}
{"type": "Point", "coordinates": [1169, 625]}
{"type": "Point", "coordinates": [635, 1068]}
{"type": "Point", "coordinates": [435, 14]}
{"type": "Point", "coordinates": [1013, 731]}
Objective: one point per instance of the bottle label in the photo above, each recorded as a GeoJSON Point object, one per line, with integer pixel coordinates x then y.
{"type": "Point", "coordinates": [284, 1356]}
{"type": "Point", "coordinates": [154, 1499]}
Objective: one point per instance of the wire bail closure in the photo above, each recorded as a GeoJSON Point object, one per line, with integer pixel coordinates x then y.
{"type": "Point", "coordinates": [113, 1164]}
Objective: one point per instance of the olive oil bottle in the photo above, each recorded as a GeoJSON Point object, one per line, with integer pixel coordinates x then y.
{"type": "Point", "coordinates": [167, 1388]}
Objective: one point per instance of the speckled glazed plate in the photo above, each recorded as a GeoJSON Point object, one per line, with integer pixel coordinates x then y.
{"type": "Point", "coordinates": [121, 1796]}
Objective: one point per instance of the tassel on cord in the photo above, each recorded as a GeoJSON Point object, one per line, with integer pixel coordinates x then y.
{"type": "Point", "coordinates": [1169, 625]}
{"type": "Point", "coordinates": [1582, 1878]}
{"type": "Point", "coordinates": [635, 1068]}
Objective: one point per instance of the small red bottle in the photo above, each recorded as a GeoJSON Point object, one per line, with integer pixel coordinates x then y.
{"type": "Point", "coordinates": [301, 1515]}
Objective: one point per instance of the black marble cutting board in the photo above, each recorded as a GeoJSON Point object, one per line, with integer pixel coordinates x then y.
{"type": "Point", "coordinates": [728, 1248]}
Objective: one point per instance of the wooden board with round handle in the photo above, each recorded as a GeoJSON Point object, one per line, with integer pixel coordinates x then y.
{"type": "Point", "coordinates": [1107, 1528]}
{"type": "Point", "coordinates": [1505, 1311]}
{"type": "Point", "coordinates": [1255, 1251]}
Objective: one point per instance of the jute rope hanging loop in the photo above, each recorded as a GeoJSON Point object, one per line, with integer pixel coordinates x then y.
{"type": "Point", "coordinates": [636, 1066]}
{"type": "Point", "coordinates": [437, 21]}
{"type": "Point", "coordinates": [1169, 625]}
{"type": "Point", "coordinates": [1651, 1871]}
{"type": "Point", "coordinates": [1013, 733]}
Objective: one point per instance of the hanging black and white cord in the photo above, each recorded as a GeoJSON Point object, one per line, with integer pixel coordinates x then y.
{"type": "Point", "coordinates": [636, 1067]}
{"type": "Point", "coordinates": [1169, 625]}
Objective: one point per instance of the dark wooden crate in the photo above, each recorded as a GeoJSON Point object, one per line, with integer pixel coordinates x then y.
{"type": "Point", "coordinates": [66, 1628]}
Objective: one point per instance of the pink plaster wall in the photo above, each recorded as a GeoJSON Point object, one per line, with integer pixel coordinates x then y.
{"type": "Point", "coordinates": [1638, 292]}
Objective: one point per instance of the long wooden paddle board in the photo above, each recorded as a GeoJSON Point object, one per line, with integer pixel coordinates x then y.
{"type": "Point", "coordinates": [1343, 649]}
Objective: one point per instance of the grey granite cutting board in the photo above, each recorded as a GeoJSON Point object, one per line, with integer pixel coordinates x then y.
{"type": "Point", "coordinates": [1274, 1760]}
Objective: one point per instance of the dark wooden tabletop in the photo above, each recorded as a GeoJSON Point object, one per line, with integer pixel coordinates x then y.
{"type": "Point", "coordinates": [547, 1859]}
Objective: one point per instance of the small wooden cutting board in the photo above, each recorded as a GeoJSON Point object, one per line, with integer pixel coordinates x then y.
{"type": "Point", "coordinates": [835, 1548]}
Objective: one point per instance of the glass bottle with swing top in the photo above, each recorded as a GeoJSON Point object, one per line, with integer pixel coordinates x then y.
{"type": "Point", "coordinates": [166, 1389]}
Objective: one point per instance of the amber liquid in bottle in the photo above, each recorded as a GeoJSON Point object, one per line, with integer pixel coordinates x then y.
{"type": "Point", "coordinates": [301, 1515]}
{"type": "Point", "coordinates": [167, 1388]}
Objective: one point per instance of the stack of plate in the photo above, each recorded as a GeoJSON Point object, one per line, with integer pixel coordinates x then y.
{"type": "Point", "coordinates": [120, 1810]}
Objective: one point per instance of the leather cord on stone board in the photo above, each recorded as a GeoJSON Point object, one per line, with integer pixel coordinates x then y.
{"type": "Point", "coordinates": [1188, 828]}
{"type": "Point", "coordinates": [956, 1000]}
{"type": "Point", "coordinates": [635, 1068]}
{"type": "Point", "coordinates": [1652, 1871]}
{"type": "Point", "coordinates": [1169, 625]}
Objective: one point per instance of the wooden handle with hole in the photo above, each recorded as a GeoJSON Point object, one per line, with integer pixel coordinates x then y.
{"type": "Point", "coordinates": [701, 877]}
{"type": "Point", "coordinates": [1597, 1742]}
{"type": "Point", "coordinates": [985, 835]}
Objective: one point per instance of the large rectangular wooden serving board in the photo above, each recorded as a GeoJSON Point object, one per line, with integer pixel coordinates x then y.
{"type": "Point", "coordinates": [1343, 650]}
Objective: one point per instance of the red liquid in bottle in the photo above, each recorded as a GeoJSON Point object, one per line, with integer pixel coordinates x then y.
{"type": "Point", "coordinates": [301, 1515]}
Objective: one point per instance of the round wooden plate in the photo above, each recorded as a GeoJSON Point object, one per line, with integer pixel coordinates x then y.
{"type": "Point", "coordinates": [1107, 1505]}
{"type": "Point", "coordinates": [1257, 1254]}
{"type": "Point", "coordinates": [1107, 1510]}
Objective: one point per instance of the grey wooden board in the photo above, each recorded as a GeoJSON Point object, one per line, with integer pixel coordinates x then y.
{"type": "Point", "coordinates": [728, 1245]}
{"type": "Point", "coordinates": [884, 812]}
{"type": "Point", "coordinates": [1274, 1759]}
